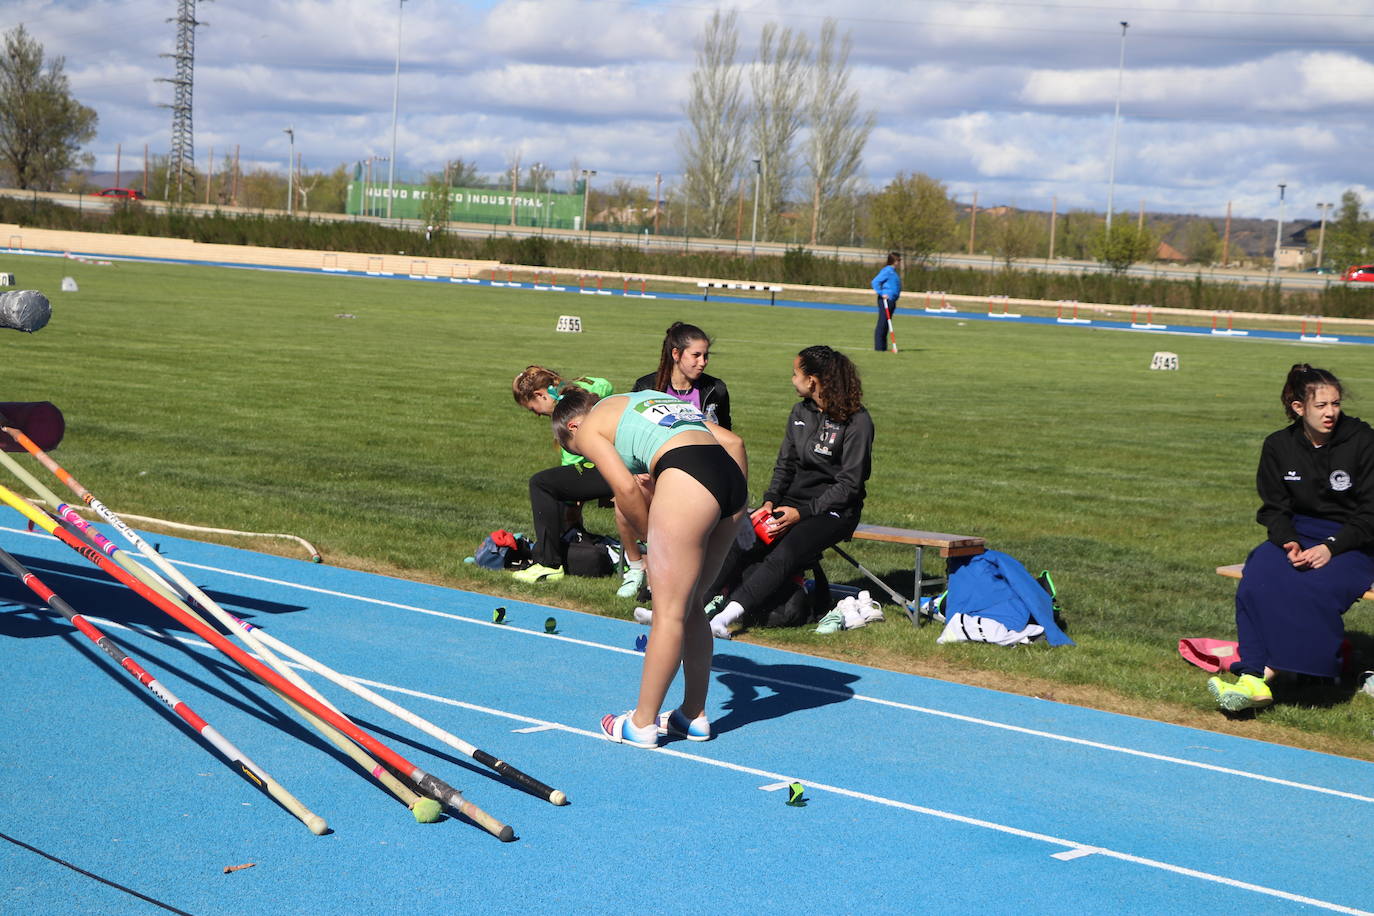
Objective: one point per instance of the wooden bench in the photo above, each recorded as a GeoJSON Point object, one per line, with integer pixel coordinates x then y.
{"type": "Point", "coordinates": [1236, 570]}
{"type": "Point", "coordinates": [949, 545]}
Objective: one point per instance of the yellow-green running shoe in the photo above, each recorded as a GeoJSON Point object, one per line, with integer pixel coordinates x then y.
{"type": "Point", "coordinates": [538, 573]}
{"type": "Point", "coordinates": [1248, 692]}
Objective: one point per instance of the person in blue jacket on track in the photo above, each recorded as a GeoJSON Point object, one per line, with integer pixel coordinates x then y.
{"type": "Point", "coordinates": [888, 285]}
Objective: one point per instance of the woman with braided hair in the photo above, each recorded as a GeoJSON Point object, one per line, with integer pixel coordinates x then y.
{"type": "Point", "coordinates": [556, 491]}
{"type": "Point", "coordinates": [817, 491]}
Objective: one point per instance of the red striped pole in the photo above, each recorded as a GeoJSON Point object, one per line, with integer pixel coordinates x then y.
{"type": "Point", "coordinates": [431, 785]}
{"type": "Point", "coordinates": [425, 810]}
{"type": "Point", "coordinates": [250, 770]}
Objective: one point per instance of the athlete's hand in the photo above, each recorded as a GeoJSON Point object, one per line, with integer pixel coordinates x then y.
{"type": "Point", "coordinates": [1314, 557]}
{"type": "Point", "coordinates": [783, 518]}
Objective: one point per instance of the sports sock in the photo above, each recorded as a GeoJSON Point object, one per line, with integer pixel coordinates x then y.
{"type": "Point", "coordinates": [732, 612]}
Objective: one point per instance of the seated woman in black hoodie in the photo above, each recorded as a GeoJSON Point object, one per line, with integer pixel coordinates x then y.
{"type": "Point", "coordinates": [817, 491]}
{"type": "Point", "coordinates": [1316, 488]}
{"type": "Point", "coordinates": [681, 372]}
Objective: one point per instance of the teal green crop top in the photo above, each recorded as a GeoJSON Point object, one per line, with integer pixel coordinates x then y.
{"type": "Point", "coordinates": [650, 419]}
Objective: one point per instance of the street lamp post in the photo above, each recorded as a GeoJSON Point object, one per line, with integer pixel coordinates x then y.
{"type": "Point", "coordinates": [1321, 234]}
{"type": "Point", "coordinates": [586, 194]}
{"type": "Point", "coordinates": [291, 170]}
{"type": "Point", "coordinates": [754, 232]}
{"type": "Point", "coordinates": [371, 159]}
{"type": "Point", "coordinates": [1116, 125]}
{"type": "Point", "coordinates": [537, 173]}
{"type": "Point", "coordinates": [1278, 232]}
{"type": "Point", "coordinates": [395, 103]}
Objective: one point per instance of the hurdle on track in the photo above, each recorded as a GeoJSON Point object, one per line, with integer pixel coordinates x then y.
{"type": "Point", "coordinates": [944, 308]}
{"type": "Point", "coordinates": [1149, 323]}
{"type": "Point", "coordinates": [1316, 336]}
{"type": "Point", "coordinates": [993, 313]}
{"type": "Point", "coordinates": [707, 285]}
{"type": "Point", "coordinates": [467, 275]}
{"type": "Point", "coordinates": [643, 289]}
{"type": "Point", "coordinates": [1073, 316]}
{"type": "Point", "coordinates": [1230, 329]}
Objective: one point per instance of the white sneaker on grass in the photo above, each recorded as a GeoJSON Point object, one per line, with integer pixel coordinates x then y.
{"type": "Point", "coordinates": [869, 610]}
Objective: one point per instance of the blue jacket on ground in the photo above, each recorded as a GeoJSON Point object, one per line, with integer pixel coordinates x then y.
{"type": "Point", "coordinates": [888, 283]}
{"type": "Point", "coordinates": [995, 585]}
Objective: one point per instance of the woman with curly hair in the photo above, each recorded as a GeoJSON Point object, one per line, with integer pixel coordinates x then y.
{"type": "Point", "coordinates": [817, 491]}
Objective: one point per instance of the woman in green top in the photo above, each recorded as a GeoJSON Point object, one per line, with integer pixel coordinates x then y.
{"type": "Point", "coordinates": [574, 481]}
{"type": "Point", "coordinates": [697, 473]}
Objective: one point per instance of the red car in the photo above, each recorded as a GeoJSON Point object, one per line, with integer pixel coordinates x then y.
{"type": "Point", "coordinates": [123, 193]}
{"type": "Point", "coordinates": [1364, 272]}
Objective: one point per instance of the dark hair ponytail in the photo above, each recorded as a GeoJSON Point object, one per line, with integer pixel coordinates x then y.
{"type": "Point", "coordinates": [679, 337]}
{"type": "Point", "coordinates": [1302, 381]}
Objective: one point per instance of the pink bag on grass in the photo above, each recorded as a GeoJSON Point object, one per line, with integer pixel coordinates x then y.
{"type": "Point", "coordinates": [1209, 654]}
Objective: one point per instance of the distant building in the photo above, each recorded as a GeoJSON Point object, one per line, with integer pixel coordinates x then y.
{"type": "Point", "coordinates": [1168, 252]}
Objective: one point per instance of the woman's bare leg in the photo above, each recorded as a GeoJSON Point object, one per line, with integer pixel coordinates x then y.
{"type": "Point", "coordinates": [698, 641]}
{"type": "Point", "coordinates": [682, 519]}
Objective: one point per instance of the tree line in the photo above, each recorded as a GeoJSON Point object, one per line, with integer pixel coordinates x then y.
{"type": "Point", "coordinates": [783, 133]}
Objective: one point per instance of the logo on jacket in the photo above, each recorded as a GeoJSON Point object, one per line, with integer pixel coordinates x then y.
{"type": "Point", "coordinates": [1340, 481]}
{"type": "Point", "coordinates": [1292, 475]}
{"type": "Point", "coordinates": [828, 435]}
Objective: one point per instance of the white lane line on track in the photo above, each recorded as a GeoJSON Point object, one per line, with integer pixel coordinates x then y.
{"type": "Point", "coordinates": [908, 707]}
{"type": "Point", "coordinates": [894, 704]}
{"type": "Point", "coordinates": [1071, 849]}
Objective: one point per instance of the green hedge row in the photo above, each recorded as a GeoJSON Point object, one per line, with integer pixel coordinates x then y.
{"type": "Point", "coordinates": [797, 266]}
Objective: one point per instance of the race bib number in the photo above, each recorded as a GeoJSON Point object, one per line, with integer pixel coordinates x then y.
{"type": "Point", "coordinates": [669, 412]}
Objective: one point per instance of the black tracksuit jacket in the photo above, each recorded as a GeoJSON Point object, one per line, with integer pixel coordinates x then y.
{"type": "Point", "coordinates": [1334, 482]}
{"type": "Point", "coordinates": [822, 465]}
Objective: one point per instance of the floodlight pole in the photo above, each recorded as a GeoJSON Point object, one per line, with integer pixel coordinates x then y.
{"type": "Point", "coordinates": [1321, 234]}
{"type": "Point", "coordinates": [291, 171]}
{"type": "Point", "coordinates": [754, 232]}
{"type": "Point", "coordinates": [1278, 233]}
{"type": "Point", "coordinates": [586, 195]}
{"type": "Point", "coordinates": [395, 104]}
{"type": "Point", "coordinates": [536, 171]}
{"type": "Point", "coordinates": [1116, 126]}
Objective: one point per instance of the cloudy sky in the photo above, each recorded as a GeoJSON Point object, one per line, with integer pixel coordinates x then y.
{"type": "Point", "coordinates": [1221, 101]}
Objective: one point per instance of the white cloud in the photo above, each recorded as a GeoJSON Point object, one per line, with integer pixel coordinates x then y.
{"type": "Point", "coordinates": [1011, 98]}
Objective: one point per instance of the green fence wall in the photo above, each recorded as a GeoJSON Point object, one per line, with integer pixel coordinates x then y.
{"type": "Point", "coordinates": [554, 209]}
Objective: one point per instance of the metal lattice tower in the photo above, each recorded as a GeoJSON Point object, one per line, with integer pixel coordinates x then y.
{"type": "Point", "coordinates": [181, 161]}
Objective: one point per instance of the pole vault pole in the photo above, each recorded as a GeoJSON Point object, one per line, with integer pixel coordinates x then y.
{"type": "Point", "coordinates": [250, 770]}
{"type": "Point", "coordinates": [425, 810]}
{"type": "Point", "coordinates": [431, 785]}
{"type": "Point", "coordinates": [500, 766]}
{"type": "Point", "coordinates": [891, 332]}
{"type": "Point", "coordinates": [243, 629]}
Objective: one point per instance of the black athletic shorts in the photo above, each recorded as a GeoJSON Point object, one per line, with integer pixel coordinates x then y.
{"type": "Point", "coordinates": [713, 468]}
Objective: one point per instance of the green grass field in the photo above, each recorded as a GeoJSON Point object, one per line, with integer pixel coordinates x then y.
{"type": "Point", "coordinates": [241, 399]}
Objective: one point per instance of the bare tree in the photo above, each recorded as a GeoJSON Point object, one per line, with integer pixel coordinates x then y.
{"type": "Point", "coordinates": [779, 86]}
{"type": "Point", "coordinates": [712, 145]}
{"type": "Point", "coordinates": [839, 131]}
